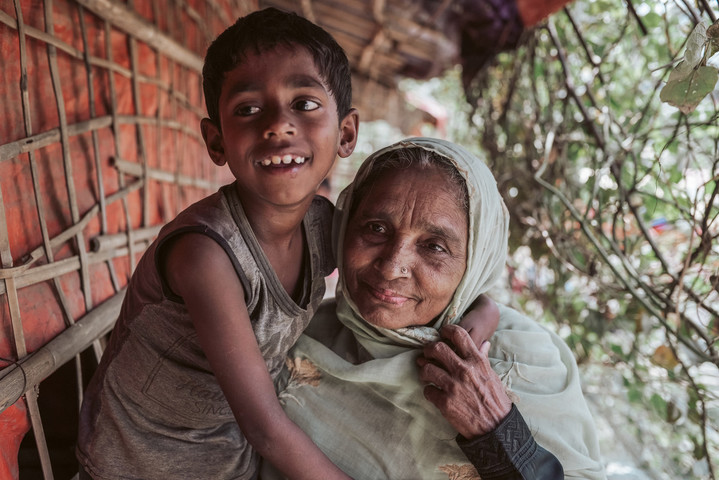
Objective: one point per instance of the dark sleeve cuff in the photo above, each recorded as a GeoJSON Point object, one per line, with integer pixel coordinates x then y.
{"type": "Point", "coordinates": [510, 452]}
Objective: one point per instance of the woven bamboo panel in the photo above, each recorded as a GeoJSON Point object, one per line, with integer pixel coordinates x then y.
{"type": "Point", "coordinates": [99, 146]}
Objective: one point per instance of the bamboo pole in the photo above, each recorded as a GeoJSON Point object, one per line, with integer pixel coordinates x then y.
{"type": "Point", "coordinates": [113, 241]}
{"type": "Point", "coordinates": [140, 29]}
{"type": "Point", "coordinates": [37, 141]}
{"type": "Point", "coordinates": [136, 170]}
{"type": "Point", "coordinates": [24, 375]}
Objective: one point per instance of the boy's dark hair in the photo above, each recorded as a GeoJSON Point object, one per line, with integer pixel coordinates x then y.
{"type": "Point", "coordinates": [266, 29]}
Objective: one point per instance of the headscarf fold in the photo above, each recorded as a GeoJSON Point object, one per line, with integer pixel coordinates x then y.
{"type": "Point", "coordinates": [354, 388]}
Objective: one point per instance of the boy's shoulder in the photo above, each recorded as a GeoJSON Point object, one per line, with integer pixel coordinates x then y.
{"type": "Point", "coordinates": [207, 215]}
{"type": "Point", "coordinates": [202, 211]}
{"type": "Point", "coordinates": [322, 206]}
{"type": "Point", "coordinates": [321, 217]}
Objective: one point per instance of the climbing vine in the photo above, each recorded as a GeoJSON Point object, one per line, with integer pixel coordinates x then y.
{"type": "Point", "coordinates": [602, 129]}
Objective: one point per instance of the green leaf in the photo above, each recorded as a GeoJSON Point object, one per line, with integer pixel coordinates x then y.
{"type": "Point", "coordinates": [693, 55]}
{"type": "Point", "coordinates": [659, 405]}
{"type": "Point", "coordinates": [651, 20]}
{"type": "Point", "coordinates": [680, 72]}
{"type": "Point", "coordinates": [650, 204]}
{"type": "Point", "coordinates": [687, 93]}
{"type": "Point", "coordinates": [695, 45]}
{"type": "Point", "coordinates": [634, 395]}
{"type": "Point", "coordinates": [675, 176]}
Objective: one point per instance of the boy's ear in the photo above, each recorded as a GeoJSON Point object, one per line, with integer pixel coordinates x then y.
{"type": "Point", "coordinates": [213, 141]}
{"type": "Point", "coordinates": [349, 128]}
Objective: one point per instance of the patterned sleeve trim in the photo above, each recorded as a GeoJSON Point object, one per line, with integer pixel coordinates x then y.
{"type": "Point", "coordinates": [510, 452]}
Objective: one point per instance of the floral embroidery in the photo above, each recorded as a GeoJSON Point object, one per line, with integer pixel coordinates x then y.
{"type": "Point", "coordinates": [460, 472]}
{"type": "Point", "coordinates": [303, 372]}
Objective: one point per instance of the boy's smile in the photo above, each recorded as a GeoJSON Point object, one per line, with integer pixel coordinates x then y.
{"type": "Point", "coordinates": [280, 132]}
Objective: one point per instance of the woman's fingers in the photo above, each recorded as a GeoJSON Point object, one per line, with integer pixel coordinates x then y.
{"type": "Point", "coordinates": [460, 382]}
{"type": "Point", "coordinates": [443, 356]}
{"type": "Point", "coordinates": [432, 374]}
{"type": "Point", "coordinates": [460, 339]}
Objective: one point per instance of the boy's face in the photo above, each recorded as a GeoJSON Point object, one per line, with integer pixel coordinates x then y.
{"type": "Point", "coordinates": [280, 131]}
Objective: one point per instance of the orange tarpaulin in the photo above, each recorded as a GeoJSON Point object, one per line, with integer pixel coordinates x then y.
{"type": "Point", "coordinates": [100, 137]}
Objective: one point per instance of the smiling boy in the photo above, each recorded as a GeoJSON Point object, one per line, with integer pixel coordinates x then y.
{"type": "Point", "coordinates": [185, 388]}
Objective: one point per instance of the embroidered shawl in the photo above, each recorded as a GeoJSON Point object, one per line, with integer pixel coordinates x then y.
{"type": "Point", "coordinates": [354, 388]}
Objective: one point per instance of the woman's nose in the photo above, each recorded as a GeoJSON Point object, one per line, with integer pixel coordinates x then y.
{"type": "Point", "coordinates": [278, 123]}
{"type": "Point", "coordinates": [394, 262]}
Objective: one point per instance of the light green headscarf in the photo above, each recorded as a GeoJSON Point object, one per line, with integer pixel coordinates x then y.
{"type": "Point", "coordinates": [354, 389]}
{"type": "Point", "coordinates": [486, 247]}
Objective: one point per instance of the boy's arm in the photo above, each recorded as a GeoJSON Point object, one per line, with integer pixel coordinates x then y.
{"type": "Point", "coordinates": [199, 270]}
{"type": "Point", "coordinates": [481, 320]}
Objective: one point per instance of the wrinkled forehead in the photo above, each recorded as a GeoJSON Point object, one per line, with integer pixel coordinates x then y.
{"type": "Point", "coordinates": [403, 162]}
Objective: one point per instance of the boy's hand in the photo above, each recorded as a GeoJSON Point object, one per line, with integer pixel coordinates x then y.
{"type": "Point", "coordinates": [481, 321]}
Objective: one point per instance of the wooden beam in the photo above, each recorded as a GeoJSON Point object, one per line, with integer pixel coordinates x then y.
{"type": "Point", "coordinates": [130, 22]}
{"type": "Point", "coordinates": [22, 376]}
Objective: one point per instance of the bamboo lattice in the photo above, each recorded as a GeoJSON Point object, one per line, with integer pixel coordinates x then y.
{"type": "Point", "coordinates": [100, 147]}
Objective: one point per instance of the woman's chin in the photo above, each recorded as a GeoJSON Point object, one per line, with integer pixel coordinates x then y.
{"type": "Point", "coordinates": [392, 319]}
{"type": "Point", "coordinates": [381, 317]}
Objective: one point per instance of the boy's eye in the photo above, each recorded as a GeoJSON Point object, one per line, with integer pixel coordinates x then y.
{"type": "Point", "coordinates": [306, 105]}
{"type": "Point", "coordinates": [247, 110]}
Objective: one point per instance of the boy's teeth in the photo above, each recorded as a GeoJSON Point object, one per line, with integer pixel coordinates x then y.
{"type": "Point", "coordinates": [286, 160]}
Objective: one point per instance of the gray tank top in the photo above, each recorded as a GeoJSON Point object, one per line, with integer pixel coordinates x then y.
{"type": "Point", "coordinates": [154, 409]}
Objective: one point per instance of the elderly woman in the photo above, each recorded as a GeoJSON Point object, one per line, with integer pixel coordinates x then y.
{"type": "Point", "coordinates": [385, 382]}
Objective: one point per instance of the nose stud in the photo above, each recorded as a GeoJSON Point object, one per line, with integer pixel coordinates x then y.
{"type": "Point", "coordinates": [403, 270]}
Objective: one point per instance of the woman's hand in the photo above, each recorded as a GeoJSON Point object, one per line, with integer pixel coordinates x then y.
{"type": "Point", "coordinates": [461, 383]}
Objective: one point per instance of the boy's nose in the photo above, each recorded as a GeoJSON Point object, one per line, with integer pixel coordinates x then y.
{"type": "Point", "coordinates": [279, 124]}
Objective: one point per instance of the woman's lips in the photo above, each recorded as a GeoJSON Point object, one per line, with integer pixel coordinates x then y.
{"type": "Point", "coordinates": [387, 296]}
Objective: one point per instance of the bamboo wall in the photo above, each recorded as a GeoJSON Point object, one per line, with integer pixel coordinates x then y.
{"type": "Point", "coordinates": [99, 146]}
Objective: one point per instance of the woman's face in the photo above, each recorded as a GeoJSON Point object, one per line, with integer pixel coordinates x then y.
{"type": "Point", "coordinates": [405, 248]}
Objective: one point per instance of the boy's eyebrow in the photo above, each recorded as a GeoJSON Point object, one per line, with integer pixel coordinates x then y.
{"type": "Point", "coordinates": [293, 81]}
{"type": "Point", "coordinates": [299, 81]}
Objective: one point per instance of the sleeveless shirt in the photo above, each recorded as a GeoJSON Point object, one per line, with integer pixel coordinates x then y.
{"type": "Point", "coordinates": [154, 409]}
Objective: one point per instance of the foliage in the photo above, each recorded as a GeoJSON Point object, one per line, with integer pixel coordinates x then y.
{"type": "Point", "coordinates": [613, 195]}
{"type": "Point", "coordinates": [694, 77]}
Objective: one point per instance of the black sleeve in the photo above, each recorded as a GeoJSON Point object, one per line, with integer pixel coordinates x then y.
{"type": "Point", "coordinates": [510, 452]}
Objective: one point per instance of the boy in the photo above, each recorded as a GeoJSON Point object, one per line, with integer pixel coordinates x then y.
{"type": "Point", "coordinates": [229, 285]}
{"type": "Point", "coordinates": [185, 388]}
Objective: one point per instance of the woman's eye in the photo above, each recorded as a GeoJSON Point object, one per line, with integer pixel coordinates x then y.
{"type": "Point", "coordinates": [376, 228]}
{"type": "Point", "coordinates": [436, 247]}
{"type": "Point", "coordinates": [306, 105]}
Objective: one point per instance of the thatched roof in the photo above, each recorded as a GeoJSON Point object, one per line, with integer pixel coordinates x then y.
{"type": "Point", "coordinates": [387, 40]}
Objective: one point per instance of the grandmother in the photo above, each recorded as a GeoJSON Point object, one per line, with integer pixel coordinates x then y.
{"type": "Point", "coordinates": [395, 389]}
